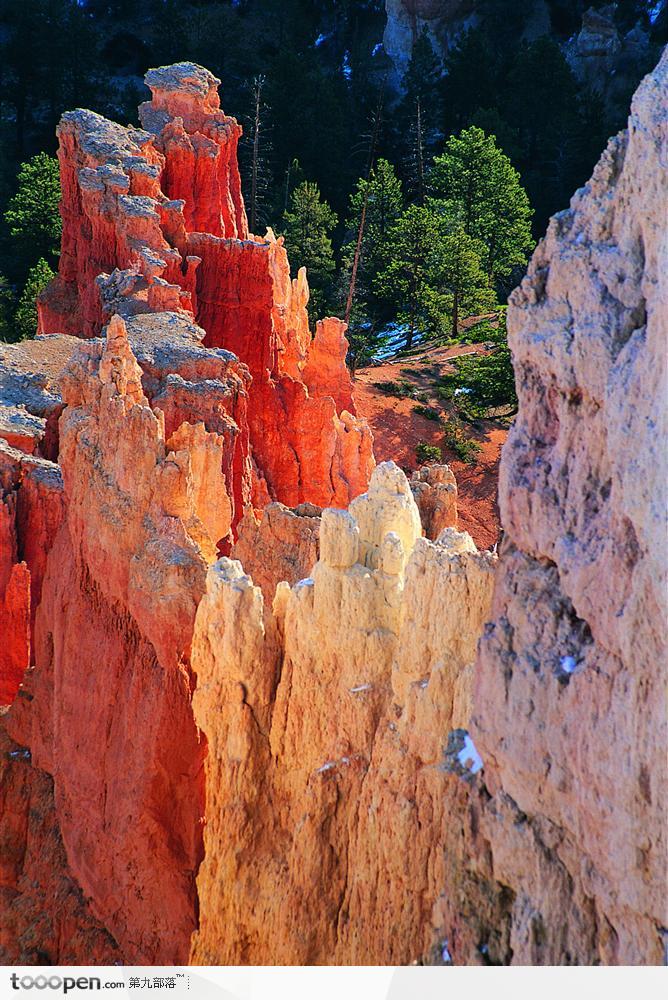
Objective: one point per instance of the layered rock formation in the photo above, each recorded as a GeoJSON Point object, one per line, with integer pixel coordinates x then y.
{"type": "Point", "coordinates": [154, 222]}
{"type": "Point", "coordinates": [435, 490]}
{"type": "Point", "coordinates": [326, 723]}
{"type": "Point", "coordinates": [604, 58]}
{"type": "Point", "coordinates": [163, 439]}
{"type": "Point", "coordinates": [204, 767]}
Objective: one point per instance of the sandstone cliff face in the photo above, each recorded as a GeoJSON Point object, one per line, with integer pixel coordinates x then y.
{"type": "Point", "coordinates": [281, 545]}
{"type": "Point", "coordinates": [125, 574]}
{"type": "Point", "coordinates": [407, 19]}
{"type": "Point", "coordinates": [164, 438]}
{"type": "Point", "coordinates": [570, 708]}
{"type": "Point", "coordinates": [31, 511]}
{"type": "Point", "coordinates": [154, 222]}
{"type": "Point", "coordinates": [326, 723]}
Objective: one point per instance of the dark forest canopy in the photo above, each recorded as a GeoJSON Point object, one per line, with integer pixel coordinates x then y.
{"type": "Point", "coordinates": [311, 83]}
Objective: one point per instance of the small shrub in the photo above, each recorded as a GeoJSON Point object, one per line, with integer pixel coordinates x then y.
{"type": "Point", "coordinates": [445, 392]}
{"type": "Point", "coordinates": [455, 439]}
{"type": "Point", "coordinates": [428, 452]}
{"type": "Point", "coordinates": [400, 389]}
{"type": "Point", "coordinates": [427, 411]}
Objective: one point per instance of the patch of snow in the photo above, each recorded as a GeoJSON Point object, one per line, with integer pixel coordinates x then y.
{"type": "Point", "coordinates": [361, 687]}
{"type": "Point", "coordinates": [306, 582]}
{"type": "Point", "coordinates": [469, 757]}
{"type": "Point", "coordinates": [346, 68]}
{"type": "Point", "coordinates": [654, 9]}
{"type": "Point", "coordinates": [326, 767]}
{"type": "Point", "coordinates": [376, 49]}
{"type": "Point", "coordinates": [568, 664]}
{"type": "Point", "coordinates": [445, 952]}
{"type": "Point", "coordinates": [321, 39]}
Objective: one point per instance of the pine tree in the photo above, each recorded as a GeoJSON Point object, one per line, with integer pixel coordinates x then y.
{"type": "Point", "coordinates": [25, 320]}
{"type": "Point", "coordinates": [307, 225]}
{"type": "Point", "coordinates": [474, 175]}
{"type": "Point", "coordinates": [409, 278]}
{"type": "Point", "coordinates": [434, 274]}
{"type": "Point", "coordinates": [32, 213]}
{"type": "Point", "coordinates": [381, 199]}
{"type": "Point", "coordinates": [418, 115]}
{"type": "Point", "coordinates": [461, 275]}
{"type": "Point", "coordinates": [294, 176]}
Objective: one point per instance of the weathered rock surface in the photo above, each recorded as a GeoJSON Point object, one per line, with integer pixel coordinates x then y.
{"type": "Point", "coordinates": [280, 544]}
{"type": "Point", "coordinates": [605, 59]}
{"type": "Point", "coordinates": [45, 918]}
{"type": "Point", "coordinates": [154, 222]}
{"type": "Point", "coordinates": [126, 572]}
{"type": "Point", "coordinates": [570, 702]}
{"type": "Point", "coordinates": [435, 490]}
{"type": "Point", "coordinates": [326, 723]}
{"type": "Point", "coordinates": [31, 511]}
{"type": "Point", "coordinates": [30, 401]}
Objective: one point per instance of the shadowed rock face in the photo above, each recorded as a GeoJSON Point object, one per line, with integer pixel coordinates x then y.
{"type": "Point", "coordinates": [407, 19]}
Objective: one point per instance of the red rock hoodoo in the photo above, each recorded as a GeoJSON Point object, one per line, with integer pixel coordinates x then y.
{"type": "Point", "coordinates": [126, 466]}
{"type": "Point", "coordinates": [153, 222]}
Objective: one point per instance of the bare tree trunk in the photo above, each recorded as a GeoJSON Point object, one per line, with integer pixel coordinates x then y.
{"type": "Point", "coordinates": [420, 152]}
{"type": "Point", "coordinates": [360, 230]}
{"type": "Point", "coordinates": [258, 83]}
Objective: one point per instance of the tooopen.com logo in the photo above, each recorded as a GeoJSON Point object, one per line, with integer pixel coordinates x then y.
{"type": "Point", "coordinates": [63, 983]}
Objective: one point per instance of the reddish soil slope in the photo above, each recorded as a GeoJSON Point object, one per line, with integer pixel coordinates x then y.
{"type": "Point", "coordinates": [397, 429]}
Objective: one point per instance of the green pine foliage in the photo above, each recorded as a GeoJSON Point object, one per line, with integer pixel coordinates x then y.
{"type": "Point", "coordinates": [6, 311]}
{"type": "Point", "coordinates": [32, 215]}
{"type": "Point", "coordinates": [410, 277]}
{"type": "Point", "coordinates": [25, 319]}
{"type": "Point", "coordinates": [484, 383]}
{"type": "Point", "coordinates": [433, 274]}
{"type": "Point", "coordinates": [307, 225]}
{"type": "Point", "coordinates": [476, 178]}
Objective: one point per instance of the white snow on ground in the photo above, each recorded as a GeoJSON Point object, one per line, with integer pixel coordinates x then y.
{"type": "Point", "coordinates": [469, 757]}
